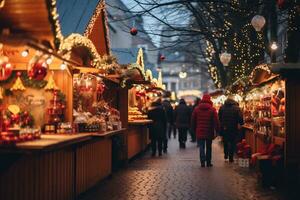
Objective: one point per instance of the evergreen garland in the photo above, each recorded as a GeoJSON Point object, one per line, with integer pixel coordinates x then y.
{"type": "Point", "coordinates": [26, 80]}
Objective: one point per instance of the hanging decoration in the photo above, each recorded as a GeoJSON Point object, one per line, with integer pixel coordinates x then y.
{"type": "Point", "coordinates": [225, 58]}
{"type": "Point", "coordinates": [51, 85]}
{"type": "Point", "coordinates": [162, 57]}
{"type": "Point", "coordinates": [57, 108]}
{"type": "Point", "coordinates": [133, 31]}
{"type": "Point", "coordinates": [5, 66]}
{"type": "Point", "coordinates": [258, 22]}
{"type": "Point", "coordinates": [37, 68]}
{"type": "Point", "coordinates": [18, 85]}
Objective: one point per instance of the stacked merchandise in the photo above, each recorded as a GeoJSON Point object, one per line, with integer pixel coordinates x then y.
{"type": "Point", "coordinates": [135, 115]}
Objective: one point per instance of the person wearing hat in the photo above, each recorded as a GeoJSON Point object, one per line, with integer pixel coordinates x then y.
{"type": "Point", "coordinates": [230, 117]}
{"type": "Point", "coordinates": [206, 124]}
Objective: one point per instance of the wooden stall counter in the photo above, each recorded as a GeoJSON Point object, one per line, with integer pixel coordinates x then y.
{"type": "Point", "coordinates": [55, 166]}
{"type": "Point", "coordinates": [137, 137]}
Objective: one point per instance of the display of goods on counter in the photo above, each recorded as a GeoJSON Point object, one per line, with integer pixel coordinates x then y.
{"type": "Point", "coordinates": [105, 119]}
{"type": "Point", "coordinates": [135, 114]}
{"type": "Point", "coordinates": [14, 136]}
{"type": "Point", "coordinates": [265, 109]}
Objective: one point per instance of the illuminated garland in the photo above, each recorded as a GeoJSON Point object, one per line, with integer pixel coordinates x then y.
{"type": "Point", "coordinates": [92, 21]}
{"type": "Point", "coordinates": [55, 22]}
{"type": "Point", "coordinates": [264, 67]}
{"type": "Point", "coordinates": [107, 38]}
{"type": "Point", "coordinates": [140, 59]}
{"type": "Point", "coordinates": [77, 40]}
{"type": "Point", "coordinates": [100, 7]}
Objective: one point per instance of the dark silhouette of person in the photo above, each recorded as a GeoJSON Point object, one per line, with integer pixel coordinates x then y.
{"type": "Point", "coordinates": [169, 114]}
{"type": "Point", "coordinates": [230, 116]}
{"type": "Point", "coordinates": [182, 117]}
{"type": "Point", "coordinates": [158, 128]}
{"type": "Point", "coordinates": [192, 132]}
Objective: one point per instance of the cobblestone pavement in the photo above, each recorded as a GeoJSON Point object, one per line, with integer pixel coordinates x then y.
{"type": "Point", "coordinates": [178, 175]}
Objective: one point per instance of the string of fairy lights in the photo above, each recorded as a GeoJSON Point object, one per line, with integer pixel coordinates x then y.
{"type": "Point", "coordinates": [244, 44]}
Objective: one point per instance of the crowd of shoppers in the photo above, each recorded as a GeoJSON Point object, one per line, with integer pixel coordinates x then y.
{"type": "Point", "coordinates": [202, 121]}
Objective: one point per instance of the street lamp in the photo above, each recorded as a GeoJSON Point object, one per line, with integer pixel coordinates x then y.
{"type": "Point", "coordinates": [182, 75]}
{"type": "Point", "coordinates": [274, 47]}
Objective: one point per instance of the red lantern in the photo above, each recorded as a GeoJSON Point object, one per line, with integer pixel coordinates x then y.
{"type": "Point", "coordinates": [133, 31]}
{"type": "Point", "coordinates": [38, 70]}
{"type": "Point", "coordinates": [162, 57]}
{"type": "Point", "coordinates": [5, 68]}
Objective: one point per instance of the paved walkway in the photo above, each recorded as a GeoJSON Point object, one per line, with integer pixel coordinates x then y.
{"type": "Point", "coordinates": [178, 175]}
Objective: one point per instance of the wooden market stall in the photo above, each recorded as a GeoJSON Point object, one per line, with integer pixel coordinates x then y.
{"type": "Point", "coordinates": [138, 133]}
{"type": "Point", "coordinates": [290, 74]}
{"type": "Point", "coordinates": [264, 109]}
{"type": "Point", "coordinates": [48, 70]}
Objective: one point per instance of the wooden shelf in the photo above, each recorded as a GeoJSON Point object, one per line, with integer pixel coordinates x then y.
{"type": "Point", "coordinates": [140, 122]}
{"type": "Point", "coordinates": [248, 126]}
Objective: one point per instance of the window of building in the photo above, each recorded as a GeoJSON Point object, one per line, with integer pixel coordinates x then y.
{"type": "Point", "coordinates": [173, 86]}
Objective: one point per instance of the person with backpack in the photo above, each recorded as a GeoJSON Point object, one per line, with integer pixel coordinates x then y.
{"type": "Point", "coordinates": [206, 124]}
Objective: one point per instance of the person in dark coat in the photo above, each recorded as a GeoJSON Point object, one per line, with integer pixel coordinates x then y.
{"type": "Point", "coordinates": [158, 128]}
{"type": "Point", "coordinates": [192, 132]}
{"type": "Point", "coordinates": [169, 114]}
{"type": "Point", "coordinates": [231, 117]}
{"type": "Point", "coordinates": [182, 117]}
{"type": "Point", "coordinates": [205, 122]}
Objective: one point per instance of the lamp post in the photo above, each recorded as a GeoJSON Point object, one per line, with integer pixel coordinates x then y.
{"type": "Point", "coordinates": [273, 48]}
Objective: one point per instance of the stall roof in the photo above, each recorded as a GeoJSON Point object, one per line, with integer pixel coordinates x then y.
{"type": "Point", "coordinates": [34, 18]}
{"type": "Point", "coordinates": [74, 15]}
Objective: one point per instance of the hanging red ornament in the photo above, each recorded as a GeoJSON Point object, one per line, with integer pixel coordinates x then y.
{"type": "Point", "coordinates": [5, 68]}
{"type": "Point", "coordinates": [38, 70]}
{"type": "Point", "coordinates": [133, 31]}
{"type": "Point", "coordinates": [162, 57]}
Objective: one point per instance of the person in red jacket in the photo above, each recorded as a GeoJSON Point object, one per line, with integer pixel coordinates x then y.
{"type": "Point", "coordinates": [205, 122]}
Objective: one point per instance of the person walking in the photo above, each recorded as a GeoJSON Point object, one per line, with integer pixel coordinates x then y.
{"type": "Point", "coordinates": [158, 128]}
{"type": "Point", "coordinates": [231, 117]}
{"type": "Point", "coordinates": [169, 114]}
{"type": "Point", "coordinates": [205, 123]}
{"type": "Point", "coordinates": [192, 132]}
{"type": "Point", "coordinates": [182, 116]}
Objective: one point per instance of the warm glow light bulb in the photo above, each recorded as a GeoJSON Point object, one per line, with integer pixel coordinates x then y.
{"type": "Point", "coordinates": [63, 66]}
{"type": "Point", "coordinates": [49, 60]}
{"type": "Point", "coordinates": [274, 46]}
{"type": "Point", "coordinates": [25, 53]}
